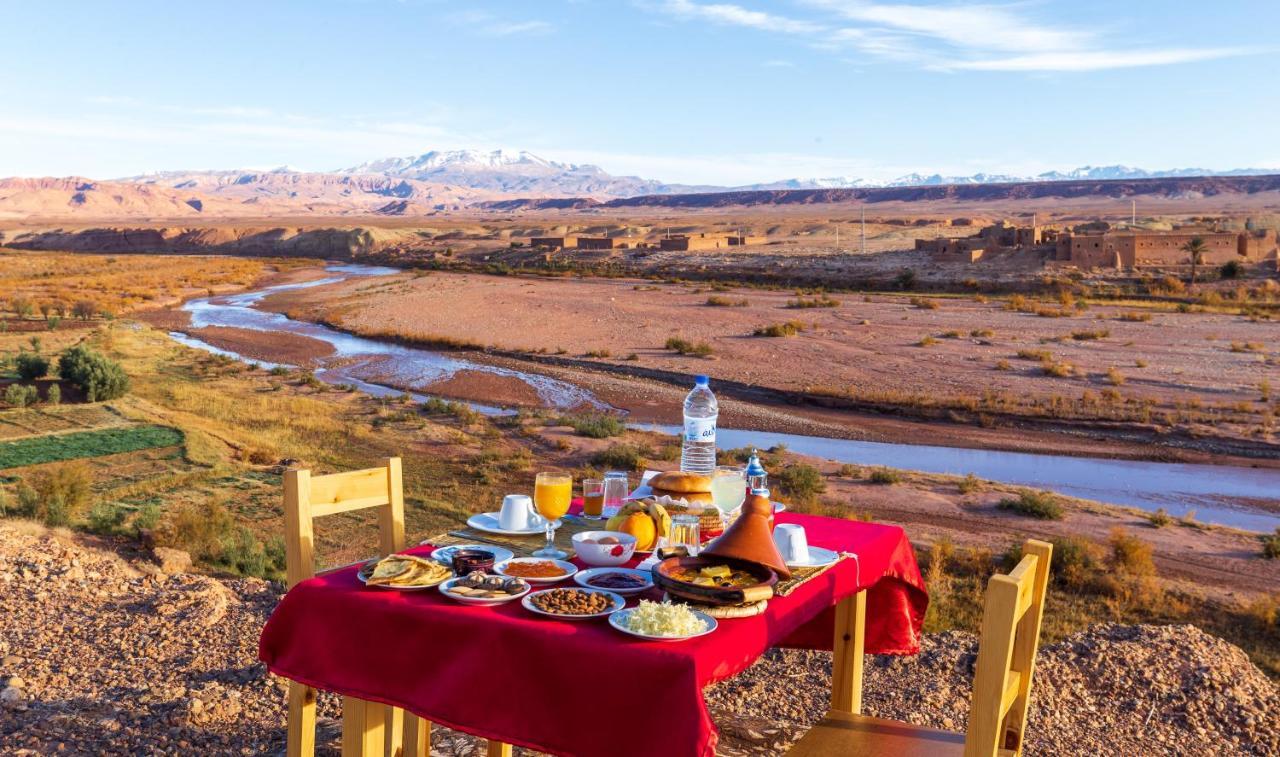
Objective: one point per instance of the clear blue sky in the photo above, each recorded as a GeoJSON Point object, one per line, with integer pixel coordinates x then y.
{"type": "Point", "coordinates": [679, 90]}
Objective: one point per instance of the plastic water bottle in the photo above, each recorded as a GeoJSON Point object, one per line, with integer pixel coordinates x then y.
{"type": "Point", "coordinates": [698, 450]}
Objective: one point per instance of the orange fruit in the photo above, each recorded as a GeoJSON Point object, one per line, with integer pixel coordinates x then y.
{"type": "Point", "coordinates": [640, 526]}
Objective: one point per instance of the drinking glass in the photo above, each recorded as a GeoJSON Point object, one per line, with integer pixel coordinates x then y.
{"type": "Point", "coordinates": [616, 489]}
{"type": "Point", "coordinates": [552, 493]}
{"type": "Point", "coordinates": [593, 498]}
{"type": "Point", "coordinates": [686, 532]}
{"type": "Point", "coordinates": [728, 488]}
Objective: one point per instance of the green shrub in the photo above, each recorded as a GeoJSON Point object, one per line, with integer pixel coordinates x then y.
{"type": "Point", "coordinates": [19, 395]}
{"type": "Point", "coordinates": [1086, 335]}
{"type": "Point", "coordinates": [620, 457]}
{"type": "Point", "coordinates": [1271, 545]}
{"type": "Point", "coordinates": [789, 328]}
{"type": "Point", "coordinates": [716, 301]}
{"type": "Point", "coordinates": [105, 518]}
{"type": "Point", "coordinates": [1160, 518]}
{"type": "Point", "coordinates": [31, 366]}
{"type": "Point", "coordinates": [969, 484]}
{"type": "Point", "coordinates": [53, 395]}
{"type": "Point", "coordinates": [801, 482]}
{"type": "Point", "coordinates": [685, 347]}
{"type": "Point", "coordinates": [459, 410]}
{"type": "Point", "coordinates": [1043, 505]}
{"type": "Point", "coordinates": [885, 476]}
{"type": "Point", "coordinates": [99, 378]}
{"type": "Point", "coordinates": [58, 494]}
{"type": "Point", "coordinates": [596, 425]}
{"type": "Point", "coordinates": [906, 279]}
{"type": "Point", "coordinates": [1231, 269]}
{"type": "Point", "coordinates": [806, 303]}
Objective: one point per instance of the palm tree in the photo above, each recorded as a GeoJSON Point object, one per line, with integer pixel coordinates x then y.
{"type": "Point", "coordinates": [1195, 249]}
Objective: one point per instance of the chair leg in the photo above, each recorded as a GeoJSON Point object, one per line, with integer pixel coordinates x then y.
{"type": "Point", "coordinates": [363, 728]}
{"type": "Point", "coordinates": [499, 749]}
{"type": "Point", "coordinates": [847, 654]}
{"type": "Point", "coordinates": [417, 736]}
{"type": "Point", "coordinates": [302, 721]}
{"type": "Point", "coordinates": [394, 718]}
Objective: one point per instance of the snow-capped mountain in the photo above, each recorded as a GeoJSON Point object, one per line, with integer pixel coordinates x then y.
{"type": "Point", "coordinates": [511, 173]}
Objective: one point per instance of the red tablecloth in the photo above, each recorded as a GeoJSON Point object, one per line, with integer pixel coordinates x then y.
{"type": "Point", "coordinates": [576, 687]}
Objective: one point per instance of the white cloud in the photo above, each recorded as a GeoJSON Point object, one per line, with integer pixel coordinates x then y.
{"type": "Point", "coordinates": [507, 29]}
{"type": "Point", "coordinates": [491, 25]}
{"type": "Point", "coordinates": [948, 37]}
{"type": "Point", "coordinates": [1091, 60]}
{"type": "Point", "coordinates": [736, 15]}
{"type": "Point", "coordinates": [980, 27]}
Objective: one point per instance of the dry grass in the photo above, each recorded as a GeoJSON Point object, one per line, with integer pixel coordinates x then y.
{"type": "Point", "coordinates": [80, 286]}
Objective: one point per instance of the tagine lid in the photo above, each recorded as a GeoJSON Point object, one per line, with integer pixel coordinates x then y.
{"type": "Point", "coordinates": [750, 538]}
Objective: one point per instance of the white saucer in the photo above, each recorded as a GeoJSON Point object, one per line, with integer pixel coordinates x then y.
{"type": "Point", "coordinates": [818, 557]}
{"type": "Point", "coordinates": [489, 522]}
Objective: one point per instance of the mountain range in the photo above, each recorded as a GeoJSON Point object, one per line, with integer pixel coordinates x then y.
{"type": "Point", "coordinates": [440, 181]}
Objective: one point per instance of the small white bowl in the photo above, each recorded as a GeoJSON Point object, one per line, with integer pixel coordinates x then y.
{"type": "Point", "coordinates": [604, 555]}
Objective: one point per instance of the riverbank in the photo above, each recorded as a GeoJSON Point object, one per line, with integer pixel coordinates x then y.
{"type": "Point", "coordinates": [964, 371]}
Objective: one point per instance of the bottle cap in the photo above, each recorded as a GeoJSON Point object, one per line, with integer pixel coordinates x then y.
{"type": "Point", "coordinates": [701, 380]}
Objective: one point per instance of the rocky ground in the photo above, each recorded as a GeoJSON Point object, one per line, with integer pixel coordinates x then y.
{"type": "Point", "coordinates": [103, 655]}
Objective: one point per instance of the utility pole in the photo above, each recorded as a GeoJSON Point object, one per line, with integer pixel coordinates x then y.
{"type": "Point", "coordinates": [1133, 213]}
{"type": "Point", "coordinates": [837, 236]}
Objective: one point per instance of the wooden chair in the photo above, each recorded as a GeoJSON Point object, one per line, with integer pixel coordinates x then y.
{"type": "Point", "coordinates": [1001, 686]}
{"type": "Point", "coordinates": [368, 728]}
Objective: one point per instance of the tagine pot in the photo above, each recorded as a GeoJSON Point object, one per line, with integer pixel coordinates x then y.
{"type": "Point", "coordinates": [750, 538]}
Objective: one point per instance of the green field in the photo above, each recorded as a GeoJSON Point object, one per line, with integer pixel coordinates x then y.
{"type": "Point", "coordinates": [82, 444]}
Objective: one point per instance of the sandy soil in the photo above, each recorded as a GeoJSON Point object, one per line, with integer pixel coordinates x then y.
{"type": "Point", "coordinates": [868, 347]}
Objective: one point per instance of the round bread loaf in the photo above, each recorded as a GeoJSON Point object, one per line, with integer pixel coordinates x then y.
{"type": "Point", "coordinates": [679, 481]}
{"type": "Point", "coordinates": [692, 498]}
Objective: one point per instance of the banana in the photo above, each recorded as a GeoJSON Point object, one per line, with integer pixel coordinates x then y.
{"type": "Point", "coordinates": [661, 520]}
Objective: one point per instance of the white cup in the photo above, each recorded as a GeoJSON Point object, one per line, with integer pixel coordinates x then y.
{"type": "Point", "coordinates": [517, 513]}
{"type": "Point", "coordinates": [792, 542]}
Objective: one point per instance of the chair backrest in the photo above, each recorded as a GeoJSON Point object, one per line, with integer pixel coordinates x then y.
{"type": "Point", "coordinates": [307, 497]}
{"type": "Point", "coordinates": [1007, 654]}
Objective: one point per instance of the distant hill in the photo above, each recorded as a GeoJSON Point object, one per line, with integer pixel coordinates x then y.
{"type": "Point", "coordinates": [441, 181]}
{"type": "Point", "coordinates": [1165, 188]}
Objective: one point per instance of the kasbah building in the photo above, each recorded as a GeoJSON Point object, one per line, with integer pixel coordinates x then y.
{"type": "Point", "coordinates": [1098, 245]}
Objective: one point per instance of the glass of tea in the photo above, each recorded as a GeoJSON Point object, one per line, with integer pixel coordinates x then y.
{"type": "Point", "coordinates": [593, 498]}
{"type": "Point", "coordinates": [552, 493]}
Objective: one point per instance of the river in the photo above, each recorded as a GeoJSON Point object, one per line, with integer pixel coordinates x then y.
{"type": "Point", "coordinates": [1226, 495]}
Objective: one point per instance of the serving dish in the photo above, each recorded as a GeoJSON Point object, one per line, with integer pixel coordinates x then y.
{"type": "Point", "coordinates": [618, 603]}
{"type": "Point", "coordinates": [765, 579]}
{"type": "Point", "coordinates": [591, 552]}
{"type": "Point", "coordinates": [445, 554]}
{"type": "Point", "coordinates": [583, 579]}
{"type": "Point", "coordinates": [480, 601]}
{"type": "Point", "coordinates": [568, 568]}
{"type": "Point", "coordinates": [619, 619]}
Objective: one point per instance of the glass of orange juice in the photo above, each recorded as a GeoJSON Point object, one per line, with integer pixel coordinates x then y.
{"type": "Point", "coordinates": [551, 495]}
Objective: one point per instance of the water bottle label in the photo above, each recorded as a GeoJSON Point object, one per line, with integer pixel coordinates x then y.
{"type": "Point", "coordinates": [700, 429]}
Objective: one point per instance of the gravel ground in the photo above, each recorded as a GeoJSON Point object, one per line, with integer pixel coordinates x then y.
{"type": "Point", "coordinates": [99, 655]}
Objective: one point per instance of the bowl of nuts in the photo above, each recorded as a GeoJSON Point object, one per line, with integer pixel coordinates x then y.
{"type": "Point", "coordinates": [573, 604]}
